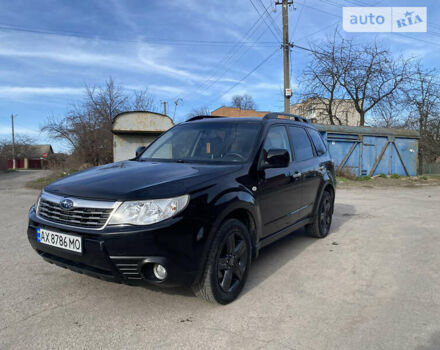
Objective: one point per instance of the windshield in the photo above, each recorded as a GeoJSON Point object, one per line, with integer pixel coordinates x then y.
{"type": "Point", "coordinates": [205, 142]}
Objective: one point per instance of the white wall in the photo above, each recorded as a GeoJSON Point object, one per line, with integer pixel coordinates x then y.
{"type": "Point", "coordinates": [124, 146]}
{"type": "Point", "coordinates": [134, 129]}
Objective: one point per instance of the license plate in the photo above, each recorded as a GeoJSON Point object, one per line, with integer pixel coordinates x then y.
{"type": "Point", "coordinates": [60, 240]}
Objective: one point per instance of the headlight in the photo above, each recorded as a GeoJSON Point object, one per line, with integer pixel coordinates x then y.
{"type": "Point", "coordinates": [149, 211]}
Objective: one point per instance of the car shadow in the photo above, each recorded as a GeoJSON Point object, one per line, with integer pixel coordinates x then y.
{"type": "Point", "coordinates": [276, 255]}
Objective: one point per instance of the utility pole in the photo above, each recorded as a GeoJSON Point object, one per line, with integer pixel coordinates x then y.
{"type": "Point", "coordinates": [164, 107]}
{"type": "Point", "coordinates": [286, 49]}
{"type": "Point", "coordinates": [13, 142]}
{"type": "Point", "coordinates": [176, 103]}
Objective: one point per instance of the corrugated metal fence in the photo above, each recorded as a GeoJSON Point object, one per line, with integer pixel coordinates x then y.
{"type": "Point", "coordinates": [369, 151]}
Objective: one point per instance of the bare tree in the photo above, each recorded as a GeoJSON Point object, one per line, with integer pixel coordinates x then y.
{"type": "Point", "coordinates": [199, 111]}
{"type": "Point", "coordinates": [87, 126]}
{"type": "Point", "coordinates": [388, 113]}
{"type": "Point", "coordinates": [370, 74]}
{"type": "Point", "coordinates": [243, 102]}
{"type": "Point", "coordinates": [320, 82]}
{"type": "Point", "coordinates": [423, 101]}
{"type": "Point", "coordinates": [366, 74]}
{"type": "Point", "coordinates": [143, 101]}
{"type": "Point", "coordinates": [23, 144]}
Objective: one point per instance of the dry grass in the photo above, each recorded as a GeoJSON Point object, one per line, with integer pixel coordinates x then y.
{"type": "Point", "coordinates": [42, 182]}
{"type": "Point", "coordinates": [346, 173]}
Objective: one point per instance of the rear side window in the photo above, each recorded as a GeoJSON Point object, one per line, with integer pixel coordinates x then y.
{"type": "Point", "coordinates": [318, 142]}
{"type": "Point", "coordinates": [302, 148]}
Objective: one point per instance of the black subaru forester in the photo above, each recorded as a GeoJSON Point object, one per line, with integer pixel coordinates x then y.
{"type": "Point", "coordinates": [194, 208]}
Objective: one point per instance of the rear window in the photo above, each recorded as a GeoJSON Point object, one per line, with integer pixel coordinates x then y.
{"type": "Point", "coordinates": [302, 148]}
{"type": "Point", "coordinates": [318, 142]}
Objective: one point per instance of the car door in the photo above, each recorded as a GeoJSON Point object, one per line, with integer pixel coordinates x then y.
{"type": "Point", "coordinates": [305, 167]}
{"type": "Point", "coordinates": [276, 194]}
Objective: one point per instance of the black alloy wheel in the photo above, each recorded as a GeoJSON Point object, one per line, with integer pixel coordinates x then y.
{"type": "Point", "coordinates": [322, 220]}
{"type": "Point", "coordinates": [227, 265]}
{"type": "Point", "coordinates": [232, 261]}
{"type": "Point", "coordinates": [325, 214]}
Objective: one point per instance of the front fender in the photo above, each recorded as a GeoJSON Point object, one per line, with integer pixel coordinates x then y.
{"type": "Point", "coordinates": [231, 201]}
{"type": "Point", "coordinates": [223, 206]}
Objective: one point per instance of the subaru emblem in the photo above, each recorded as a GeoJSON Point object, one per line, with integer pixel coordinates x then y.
{"type": "Point", "coordinates": [66, 204]}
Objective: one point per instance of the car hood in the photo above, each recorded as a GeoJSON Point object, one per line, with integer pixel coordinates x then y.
{"type": "Point", "coordinates": [133, 180]}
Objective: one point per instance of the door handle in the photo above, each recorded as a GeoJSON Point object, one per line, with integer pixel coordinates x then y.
{"type": "Point", "coordinates": [296, 174]}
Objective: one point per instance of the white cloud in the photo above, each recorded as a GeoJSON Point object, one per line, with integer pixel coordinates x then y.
{"type": "Point", "coordinates": [258, 90]}
{"type": "Point", "coordinates": [6, 130]}
{"type": "Point", "coordinates": [268, 86]}
{"type": "Point", "coordinates": [222, 12]}
{"type": "Point", "coordinates": [19, 91]}
{"type": "Point", "coordinates": [160, 65]}
{"type": "Point", "coordinates": [137, 57]}
{"type": "Point", "coordinates": [154, 89]}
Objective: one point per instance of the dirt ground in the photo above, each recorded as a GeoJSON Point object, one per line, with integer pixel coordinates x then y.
{"type": "Point", "coordinates": [380, 182]}
{"type": "Point", "coordinates": [373, 283]}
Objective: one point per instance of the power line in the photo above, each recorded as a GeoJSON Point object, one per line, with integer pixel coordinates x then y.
{"type": "Point", "coordinates": [227, 69]}
{"type": "Point", "coordinates": [319, 30]}
{"type": "Point", "coordinates": [143, 40]}
{"type": "Point", "coordinates": [246, 76]}
{"type": "Point", "coordinates": [401, 34]}
{"type": "Point", "coordinates": [235, 50]}
{"type": "Point", "coordinates": [268, 58]}
{"type": "Point", "coordinates": [227, 61]}
{"type": "Point", "coordinates": [268, 25]}
{"type": "Point", "coordinates": [274, 24]}
{"type": "Point", "coordinates": [297, 21]}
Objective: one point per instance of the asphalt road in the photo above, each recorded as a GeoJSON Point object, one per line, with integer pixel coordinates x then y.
{"type": "Point", "coordinates": [374, 283]}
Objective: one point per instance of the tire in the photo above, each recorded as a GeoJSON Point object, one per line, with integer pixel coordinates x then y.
{"type": "Point", "coordinates": [227, 264]}
{"type": "Point", "coordinates": [322, 219]}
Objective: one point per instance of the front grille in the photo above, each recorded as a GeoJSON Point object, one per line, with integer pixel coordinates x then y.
{"type": "Point", "coordinates": [76, 216]}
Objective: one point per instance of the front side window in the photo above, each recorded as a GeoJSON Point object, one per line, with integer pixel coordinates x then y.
{"type": "Point", "coordinates": [205, 142]}
{"type": "Point", "coordinates": [277, 139]}
{"type": "Point", "coordinates": [318, 142]}
{"type": "Point", "coordinates": [302, 148]}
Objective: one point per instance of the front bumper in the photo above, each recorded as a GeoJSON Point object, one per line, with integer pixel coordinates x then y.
{"type": "Point", "coordinates": [128, 254]}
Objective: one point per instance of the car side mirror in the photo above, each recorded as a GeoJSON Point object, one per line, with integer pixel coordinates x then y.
{"type": "Point", "coordinates": [139, 150]}
{"type": "Point", "coordinates": [277, 158]}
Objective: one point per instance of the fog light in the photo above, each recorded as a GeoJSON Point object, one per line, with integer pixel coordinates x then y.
{"type": "Point", "coordinates": [160, 271]}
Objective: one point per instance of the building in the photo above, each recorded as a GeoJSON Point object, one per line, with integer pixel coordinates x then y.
{"type": "Point", "coordinates": [133, 129]}
{"type": "Point", "coordinates": [237, 112]}
{"type": "Point", "coordinates": [315, 110]}
{"type": "Point", "coordinates": [31, 156]}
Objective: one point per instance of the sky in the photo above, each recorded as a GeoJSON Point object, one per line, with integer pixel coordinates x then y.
{"type": "Point", "coordinates": [199, 53]}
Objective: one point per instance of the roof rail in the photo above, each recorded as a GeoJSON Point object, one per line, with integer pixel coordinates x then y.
{"type": "Point", "coordinates": [280, 115]}
{"type": "Point", "coordinates": [198, 117]}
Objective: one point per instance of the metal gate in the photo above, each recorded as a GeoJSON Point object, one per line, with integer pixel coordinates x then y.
{"type": "Point", "coordinates": [372, 151]}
